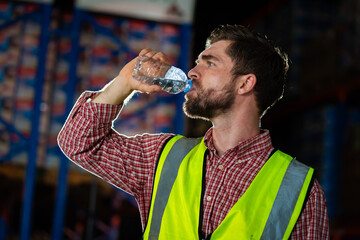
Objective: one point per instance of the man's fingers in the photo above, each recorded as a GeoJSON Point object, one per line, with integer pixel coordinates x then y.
{"type": "Point", "coordinates": [145, 51]}
{"type": "Point", "coordinates": [148, 52]}
{"type": "Point", "coordinates": [161, 57]}
{"type": "Point", "coordinates": [149, 88]}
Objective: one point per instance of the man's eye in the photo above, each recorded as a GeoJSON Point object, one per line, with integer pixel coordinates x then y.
{"type": "Point", "coordinates": [210, 64]}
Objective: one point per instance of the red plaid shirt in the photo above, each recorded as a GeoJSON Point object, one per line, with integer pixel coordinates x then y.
{"type": "Point", "coordinates": [89, 140]}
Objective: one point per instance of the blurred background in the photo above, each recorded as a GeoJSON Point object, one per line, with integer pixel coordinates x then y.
{"type": "Point", "coordinates": [51, 51]}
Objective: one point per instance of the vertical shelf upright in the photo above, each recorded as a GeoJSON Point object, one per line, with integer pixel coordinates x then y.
{"type": "Point", "coordinates": [33, 146]}
{"type": "Point", "coordinates": [23, 84]}
{"type": "Point", "coordinates": [59, 211]}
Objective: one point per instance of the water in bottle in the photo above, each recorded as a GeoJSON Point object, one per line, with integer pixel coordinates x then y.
{"type": "Point", "coordinates": [151, 71]}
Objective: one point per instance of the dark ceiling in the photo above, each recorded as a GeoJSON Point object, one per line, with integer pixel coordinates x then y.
{"type": "Point", "coordinates": [210, 14]}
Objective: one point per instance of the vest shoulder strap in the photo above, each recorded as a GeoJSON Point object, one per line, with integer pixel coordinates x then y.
{"type": "Point", "coordinates": [174, 151]}
{"type": "Point", "coordinates": [289, 200]}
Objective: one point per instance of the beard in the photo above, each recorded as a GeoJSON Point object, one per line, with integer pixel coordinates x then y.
{"type": "Point", "coordinates": [209, 103]}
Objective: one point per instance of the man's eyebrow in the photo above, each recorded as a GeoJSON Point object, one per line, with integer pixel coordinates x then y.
{"type": "Point", "coordinates": [209, 57]}
{"type": "Point", "coordinates": [205, 57]}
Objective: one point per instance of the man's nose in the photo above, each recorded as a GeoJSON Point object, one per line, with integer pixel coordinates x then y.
{"type": "Point", "coordinates": [193, 73]}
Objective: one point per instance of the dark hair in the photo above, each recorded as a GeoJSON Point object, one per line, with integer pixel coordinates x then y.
{"type": "Point", "coordinates": [253, 53]}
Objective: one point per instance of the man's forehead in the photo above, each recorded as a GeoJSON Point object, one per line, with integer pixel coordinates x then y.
{"type": "Point", "coordinates": [216, 50]}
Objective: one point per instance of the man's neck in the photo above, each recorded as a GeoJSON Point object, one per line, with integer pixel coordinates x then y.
{"type": "Point", "coordinates": [229, 131]}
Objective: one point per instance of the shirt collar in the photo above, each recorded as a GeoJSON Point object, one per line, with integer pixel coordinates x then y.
{"type": "Point", "coordinates": [245, 150]}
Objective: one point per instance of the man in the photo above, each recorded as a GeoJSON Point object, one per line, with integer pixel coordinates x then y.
{"type": "Point", "coordinates": [231, 184]}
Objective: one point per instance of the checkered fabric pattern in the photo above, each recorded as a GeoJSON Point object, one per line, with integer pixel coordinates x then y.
{"type": "Point", "coordinates": [89, 140]}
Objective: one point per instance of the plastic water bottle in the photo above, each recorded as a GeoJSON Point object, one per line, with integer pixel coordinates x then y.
{"type": "Point", "coordinates": [151, 71]}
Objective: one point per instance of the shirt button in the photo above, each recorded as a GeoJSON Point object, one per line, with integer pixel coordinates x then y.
{"type": "Point", "coordinates": [221, 167]}
{"type": "Point", "coordinates": [208, 198]}
{"type": "Point", "coordinates": [239, 161]}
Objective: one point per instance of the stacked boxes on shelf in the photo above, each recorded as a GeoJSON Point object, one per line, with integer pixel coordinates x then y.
{"type": "Point", "coordinates": [103, 55]}
{"type": "Point", "coordinates": [18, 50]}
{"type": "Point", "coordinates": [106, 44]}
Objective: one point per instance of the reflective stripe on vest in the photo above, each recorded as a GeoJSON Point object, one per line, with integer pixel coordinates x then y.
{"type": "Point", "coordinates": [268, 209]}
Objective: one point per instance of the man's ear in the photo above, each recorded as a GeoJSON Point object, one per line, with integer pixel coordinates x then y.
{"type": "Point", "coordinates": [246, 83]}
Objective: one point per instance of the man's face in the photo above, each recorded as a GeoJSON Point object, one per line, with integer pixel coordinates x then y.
{"type": "Point", "coordinates": [213, 91]}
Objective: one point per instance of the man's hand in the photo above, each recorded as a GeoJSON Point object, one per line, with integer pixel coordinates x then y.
{"type": "Point", "coordinates": [124, 84]}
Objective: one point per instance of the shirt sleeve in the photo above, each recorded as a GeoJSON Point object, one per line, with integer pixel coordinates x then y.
{"type": "Point", "coordinates": [89, 140]}
{"type": "Point", "coordinates": [313, 222]}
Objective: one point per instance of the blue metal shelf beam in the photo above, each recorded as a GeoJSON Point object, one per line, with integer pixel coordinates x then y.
{"type": "Point", "coordinates": [58, 221]}
{"type": "Point", "coordinates": [34, 136]}
{"type": "Point", "coordinates": [183, 63]}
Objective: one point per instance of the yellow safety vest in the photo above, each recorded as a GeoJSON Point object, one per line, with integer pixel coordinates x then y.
{"type": "Point", "coordinates": [268, 209]}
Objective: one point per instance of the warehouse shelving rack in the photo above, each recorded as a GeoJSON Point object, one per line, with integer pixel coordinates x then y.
{"type": "Point", "coordinates": [29, 144]}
